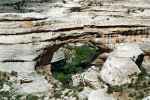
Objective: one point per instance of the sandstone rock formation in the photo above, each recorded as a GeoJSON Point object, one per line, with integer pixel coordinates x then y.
{"type": "Point", "coordinates": [100, 95]}
{"type": "Point", "coordinates": [31, 31]}
{"type": "Point", "coordinates": [120, 67]}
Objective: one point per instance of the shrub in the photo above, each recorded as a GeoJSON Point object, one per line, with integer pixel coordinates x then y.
{"type": "Point", "coordinates": [77, 59]}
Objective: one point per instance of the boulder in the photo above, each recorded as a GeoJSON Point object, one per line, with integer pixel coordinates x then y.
{"type": "Point", "coordinates": [83, 95]}
{"type": "Point", "coordinates": [58, 55]}
{"type": "Point", "coordinates": [145, 46]}
{"type": "Point", "coordinates": [100, 94]}
{"type": "Point", "coordinates": [146, 98]}
{"type": "Point", "coordinates": [117, 71]}
{"type": "Point", "coordinates": [76, 79]}
{"type": "Point", "coordinates": [128, 50]}
{"type": "Point", "coordinates": [34, 84]}
{"type": "Point", "coordinates": [146, 64]}
{"type": "Point", "coordinates": [122, 65]}
{"type": "Point", "coordinates": [89, 77]}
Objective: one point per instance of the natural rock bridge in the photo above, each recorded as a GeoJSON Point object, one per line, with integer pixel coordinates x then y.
{"type": "Point", "coordinates": [31, 31]}
{"type": "Point", "coordinates": [27, 37]}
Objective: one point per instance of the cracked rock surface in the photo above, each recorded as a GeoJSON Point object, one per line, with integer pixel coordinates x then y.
{"type": "Point", "coordinates": [33, 33]}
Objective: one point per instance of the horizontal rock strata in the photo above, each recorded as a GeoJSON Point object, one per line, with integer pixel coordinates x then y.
{"type": "Point", "coordinates": [31, 31]}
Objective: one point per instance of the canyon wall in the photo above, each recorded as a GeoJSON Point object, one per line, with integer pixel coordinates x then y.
{"type": "Point", "coordinates": [32, 31]}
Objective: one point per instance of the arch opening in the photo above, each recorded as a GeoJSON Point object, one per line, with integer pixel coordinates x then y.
{"type": "Point", "coordinates": [75, 58]}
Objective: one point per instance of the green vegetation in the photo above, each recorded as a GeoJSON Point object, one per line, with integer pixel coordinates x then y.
{"type": "Point", "coordinates": [77, 59]}
{"type": "Point", "coordinates": [31, 97]}
{"type": "Point", "coordinates": [11, 94]}
{"type": "Point", "coordinates": [136, 90]}
{"type": "Point", "coordinates": [4, 94]}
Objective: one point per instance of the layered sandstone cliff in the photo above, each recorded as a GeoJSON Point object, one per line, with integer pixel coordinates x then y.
{"type": "Point", "coordinates": [32, 31]}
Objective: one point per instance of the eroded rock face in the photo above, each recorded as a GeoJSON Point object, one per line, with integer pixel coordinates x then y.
{"type": "Point", "coordinates": [120, 67]}
{"type": "Point", "coordinates": [45, 25]}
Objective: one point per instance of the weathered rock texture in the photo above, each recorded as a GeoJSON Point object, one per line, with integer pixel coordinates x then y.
{"type": "Point", "coordinates": [29, 39]}
{"type": "Point", "coordinates": [120, 67]}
